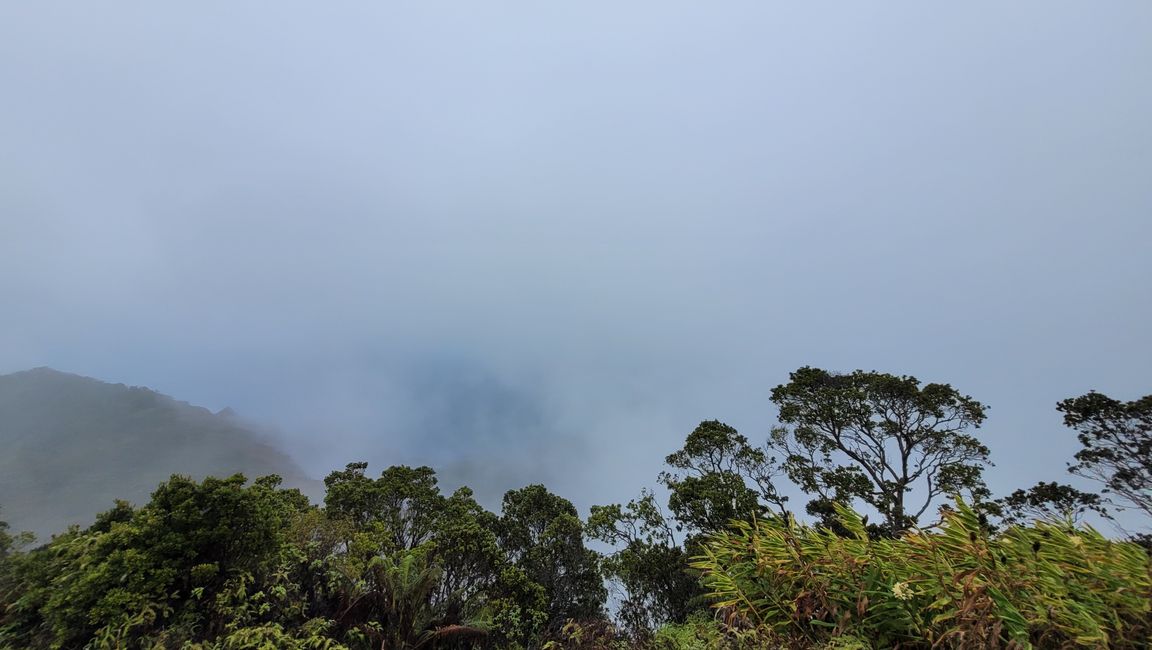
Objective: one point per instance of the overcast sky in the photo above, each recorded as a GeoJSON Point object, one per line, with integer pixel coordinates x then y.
{"type": "Point", "coordinates": [542, 240]}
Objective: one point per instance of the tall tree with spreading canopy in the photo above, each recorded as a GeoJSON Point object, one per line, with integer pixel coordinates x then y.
{"type": "Point", "coordinates": [718, 476]}
{"type": "Point", "coordinates": [879, 438]}
{"type": "Point", "coordinates": [1116, 441]}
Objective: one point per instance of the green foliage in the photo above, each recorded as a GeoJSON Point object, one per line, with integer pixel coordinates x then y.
{"type": "Point", "coordinates": [1050, 501]}
{"type": "Point", "coordinates": [73, 444]}
{"type": "Point", "coordinates": [586, 635]}
{"type": "Point", "coordinates": [517, 613]}
{"type": "Point", "coordinates": [405, 565]}
{"type": "Point", "coordinates": [544, 537]}
{"type": "Point", "coordinates": [404, 583]}
{"type": "Point", "coordinates": [391, 563]}
{"type": "Point", "coordinates": [164, 565]}
{"type": "Point", "coordinates": [1116, 441]}
{"type": "Point", "coordinates": [312, 635]}
{"type": "Point", "coordinates": [405, 501]}
{"type": "Point", "coordinates": [704, 632]}
{"type": "Point", "coordinates": [1048, 585]}
{"type": "Point", "coordinates": [878, 437]}
{"type": "Point", "coordinates": [10, 543]}
{"type": "Point", "coordinates": [6, 541]}
{"type": "Point", "coordinates": [717, 477]}
{"type": "Point", "coordinates": [224, 564]}
{"type": "Point", "coordinates": [697, 633]}
{"type": "Point", "coordinates": [648, 564]}
{"type": "Point", "coordinates": [469, 556]}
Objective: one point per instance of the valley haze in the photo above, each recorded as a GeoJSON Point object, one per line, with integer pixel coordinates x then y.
{"type": "Point", "coordinates": [539, 242]}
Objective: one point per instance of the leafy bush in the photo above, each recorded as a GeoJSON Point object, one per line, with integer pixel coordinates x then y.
{"type": "Point", "coordinates": [702, 632]}
{"type": "Point", "coordinates": [1046, 585]}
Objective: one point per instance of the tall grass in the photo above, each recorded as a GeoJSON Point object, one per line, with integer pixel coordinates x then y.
{"type": "Point", "coordinates": [1048, 585]}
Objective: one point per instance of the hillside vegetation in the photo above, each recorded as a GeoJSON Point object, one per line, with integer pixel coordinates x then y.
{"type": "Point", "coordinates": [73, 445]}
{"type": "Point", "coordinates": [1050, 585]}
{"type": "Point", "coordinates": [391, 562]}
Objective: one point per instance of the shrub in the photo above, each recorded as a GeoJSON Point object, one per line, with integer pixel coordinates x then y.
{"type": "Point", "coordinates": [1045, 585]}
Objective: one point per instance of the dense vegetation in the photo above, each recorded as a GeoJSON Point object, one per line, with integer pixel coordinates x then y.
{"type": "Point", "coordinates": [392, 562]}
{"type": "Point", "coordinates": [72, 445]}
{"type": "Point", "coordinates": [1050, 585]}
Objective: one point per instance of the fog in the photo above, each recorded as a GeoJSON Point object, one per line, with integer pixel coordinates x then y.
{"type": "Point", "coordinates": [541, 241]}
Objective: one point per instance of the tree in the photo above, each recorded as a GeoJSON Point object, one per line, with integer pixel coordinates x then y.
{"type": "Point", "coordinates": [227, 564]}
{"type": "Point", "coordinates": [1049, 501]}
{"type": "Point", "coordinates": [404, 500]}
{"type": "Point", "coordinates": [1116, 440]}
{"type": "Point", "coordinates": [715, 478]}
{"type": "Point", "coordinates": [465, 547]}
{"type": "Point", "coordinates": [351, 495]}
{"type": "Point", "coordinates": [6, 541]}
{"type": "Point", "coordinates": [174, 563]}
{"type": "Point", "coordinates": [648, 563]}
{"type": "Point", "coordinates": [9, 545]}
{"type": "Point", "coordinates": [417, 566]}
{"type": "Point", "coordinates": [718, 477]}
{"type": "Point", "coordinates": [878, 437]}
{"type": "Point", "coordinates": [544, 537]}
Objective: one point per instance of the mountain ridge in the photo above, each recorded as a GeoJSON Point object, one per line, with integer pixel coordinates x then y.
{"type": "Point", "coordinates": [73, 444]}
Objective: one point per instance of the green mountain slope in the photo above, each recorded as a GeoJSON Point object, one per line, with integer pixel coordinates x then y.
{"type": "Point", "coordinates": [70, 445]}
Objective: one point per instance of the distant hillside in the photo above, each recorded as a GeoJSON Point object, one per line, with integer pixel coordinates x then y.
{"type": "Point", "coordinates": [70, 445]}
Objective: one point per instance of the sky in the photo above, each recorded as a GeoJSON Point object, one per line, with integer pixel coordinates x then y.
{"type": "Point", "coordinates": [541, 241]}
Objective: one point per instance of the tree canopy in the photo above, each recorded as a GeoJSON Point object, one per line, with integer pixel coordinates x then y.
{"type": "Point", "coordinates": [544, 537]}
{"type": "Point", "coordinates": [718, 476]}
{"type": "Point", "coordinates": [1116, 446]}
{"type": "Point", "coordinates": [1050, 501]}
{"type": "Point", "coordinates": [391, 562]}
{"type": "Point", "coordinates": [881, 438]}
